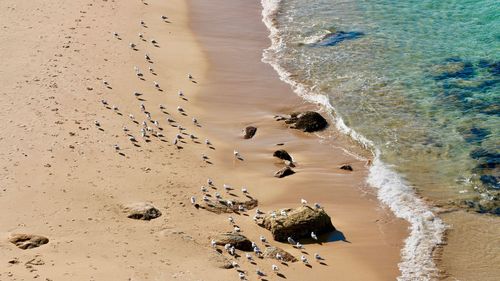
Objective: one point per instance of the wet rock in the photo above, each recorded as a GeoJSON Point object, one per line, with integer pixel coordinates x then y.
{"type": "Point", "coordinates": [283, 155]}
{"type": "Point", "coordinates": [271, 252]}
{"type": "Point", "coordinates": [141, 211]}
{"type": "Point", "coordinates": [490, 181]}
{"type": "Point", "coordinates": [28, 241]}
{"type": "Point", "coordinates": [298, 223]}
{"type": "Point", "coordinates": [220, 206]}
{"type": "Point", "coordinates": [286, 171]}
{"type": "Point", "coordinates": [346, 167]}
{"type": "Point", "coordinates": [250, 132]}
{"type": "Point", "coordinates": [239, 241]}
{"type": "Point", "coordinates": [308, 121]}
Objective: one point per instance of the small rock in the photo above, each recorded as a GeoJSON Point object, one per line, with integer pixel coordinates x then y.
{"type": "Point", "coordinates": [220, 206]}
{"type": "Point", "coordinates": [237, 240]}
{"type": "Point", "coordinates": [250, 132]}
{"type": "Point", "coordinates": [141, 211]}
{"type": "Point", "coordinates": [346, 167]}
{"type": "Point", "coordinates": [286, 171]}
{"type": "Point", "coordinates": [283, 155]}
{"type": "Point", "coordinates": [271, 252]}
{"type": "Point", "coordinates": [298, 223]}
{"type": "Point", "coordinates": [220, 261]}
{"type": "Point", "coordinates": [28, 241]}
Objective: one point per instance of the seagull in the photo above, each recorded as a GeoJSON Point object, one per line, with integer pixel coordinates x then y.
{"type": "Point", "coordinates": [241, 275]}
{"type": "Point", "coordinates": [190, 76]}
{"type": "Point", "coordinates": [299, 246]}
{"type": "Point", "coordinates": [97, 123]}
{"type": "Point", "coordinates": [132, 45]}
{"type": "Point", "coordinates": [207, 142]}
{"type": "Point", "coordinates": [115, 107]}
{"type": "Point", "coordinates": [105, 83]}
{"type": "Point", "coordinates": [146, 56]}
{"type": "Point", "coordinates": [116, 147]}
{"type": "Point", "coordinates": [141, 36]}
{"type": "Point", "coordinates": [193, 200]}
{"type": "Point", "coordinates": [291, 241]}
{"type": "Point", "coordinates": [258, 211]}
{"type": "Point", "coordinates": [254, 245]}
{"type": "Point", "coordinates": [235, 264]}
{"type": "Point", "coordinates": [125, 129]}
{"type": "Point", "coordinates": [213, 243]}
{"type": "Point", "coordinates": [227, 188]}
{"type": "Point", "coordinates": [318, 257]}
{"type": "Point", "coordinates": [262, 239]}
{"type": "Point", "coordinates": [231, 220]}
{"type": "Point", "coordinates": [180, 93]}
{"type": "Point", "coordinates": [236, 154]}
{"type": "Point", "coordinates": [237, 229]}
{"type": "Point", "coordinates": [104, 102]}
{"type": "Point", "coordinates": [156, 123]}
{"type": "Point", "coordinates": [210, 182]}
{"type": "Point", "coordinates": [131, 117]}
{"type": "Point", "coordinates": [313, 236]}
{"type": "Point", "coordinates": [132, 138]}
{"type": "Point", "coordinates": [137, 94]}
{"type": "Point", "coordinates": [260, 273]}
{"type": "Point", "coordinates": [195, 121]}
{"type": "Point", "coordinates": [164, 17]}
{"type": "Point", "coordinates": [317, 206]}
{"type": "Point", "coordinates": [178, 136]}
{"type": "Point", "coordinates": [273, 215]}
{"type": "Point", "coordinates": [205, 198]}
{"type": "Point", "coordinates": [217, 195]}
{"type": "Point", "coordinates": [230, 203]}
{"type": "Point", "coordinates": [180, 109]}
{"type": "Point", "coordinates": [249, 256]}
{"type": "Point", "coordinates": [115, 34]}
{"type": "Point", "coordinates": [244, 190]}
{"type": "Point", "coordinates": [241, 208]}
{"type": "Point", "coordinates": [151, 69]}
{"type": "Point", "coordinates": [162, 106]}
{"type": "Point", "coordinates": [274, 268]}
{"type": "Point", "coordinates": [144, 124]}
{"type": "Point", "coordinates": [143, 107]}
{"type": "Point", "coordinates": [279, 256]}
{"type": "Point", "coordinates": [304, 259]}
{"type": "Point", "coordinates": [231, 251]}
{"type": "Point", "coordinates": [153, 41]}
{"type": "Point", "coordinates": [303, 201]}
{"type": "Point", "coordinates": [283, 213]}
{"type": "Point", "coordinates": [191, 136]}
{"type": "Point", "coordinates": [227, 246]}
{"type": "Point", "coordinates": [203, 189]}
{"type": "Point", "coordinates": [256, 217]}
{"type": "Point", "coordinates": [141, 22]}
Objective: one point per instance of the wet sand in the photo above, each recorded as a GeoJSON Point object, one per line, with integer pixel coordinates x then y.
{"type": "Point", "coordinates": [63, 178]}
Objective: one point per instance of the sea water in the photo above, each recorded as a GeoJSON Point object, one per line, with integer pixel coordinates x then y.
{"type": "Point", "coordinates": [417, 83]}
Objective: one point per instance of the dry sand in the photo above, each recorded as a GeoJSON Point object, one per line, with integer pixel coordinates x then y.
{"type": "Point", "coordinates": [63, 179]}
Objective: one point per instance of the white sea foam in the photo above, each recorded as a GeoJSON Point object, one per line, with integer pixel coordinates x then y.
{"type": "Point", "coordinates": [426, 229]}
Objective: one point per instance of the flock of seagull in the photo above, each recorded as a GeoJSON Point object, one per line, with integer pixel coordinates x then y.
{"type": "Point", "coordinates": [231, 250]}
{"type": "Point", "coordinates": [152, 127]}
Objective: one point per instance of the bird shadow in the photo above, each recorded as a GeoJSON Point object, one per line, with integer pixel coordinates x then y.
{"type": "Point", "coordinates": [240, 158]}
{"type": "Point", "coordinates": [185, 99]}
{"type": "Point", "coordinates": [308, 265]}
{"type": "Point", "coordinates": [284, 263]}
{"type": "Point", "coordinates": [154, 73]}
{"type": "Point", "coordinates": [160, 90]}
{"type": "Point", "coordinates": [208, 162]}
{"type": "Point", "coordinates": [109, 87]}
{"type": "Point", "coordinates": [323, 263]}
{"type": "Point", "coordinates": [194, 81]}
{"type": "Point", "coordinates": [136, 145]}
{"type": "Point", "coordinates": [281, 275]}
{"type": "Point", "coordinates": [156, 45]}
{"type": "Point", "coordinates": [211, 147]}
{"type": "Point", "coordinates": [101, 129]}
{"type": "Point", "coordinates": [197, 142]}
{"type": "Point", "coordinates": [184, 114]}
{"type": "Point", "coordinates": [121, 153]}
{"type": "Point", "coordinates": [135, 122]}
{"type": "Point", "coordinates": [119, 113]}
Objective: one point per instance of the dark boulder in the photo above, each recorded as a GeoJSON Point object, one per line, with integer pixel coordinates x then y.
{"type": "Point", "coordinates": [250, 132]}
{"type": "Point", "coordinates": [283, 155]}
{"type": "Point", "coordinates": [298, 223]}
{"type": "Point", "coordinates": [308, 121]}
{"type": "Point", "coordinates": [286, 171]}
{"type": "Point", "coordinates": [346, 167]}
{"type": "Point", "coordinates": [237, 240]}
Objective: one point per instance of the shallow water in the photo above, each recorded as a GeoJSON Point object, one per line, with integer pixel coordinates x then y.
{"type": "Point", "coordinates": [418, 83]}
{"type": "Point", "coordinates": [419, 79]}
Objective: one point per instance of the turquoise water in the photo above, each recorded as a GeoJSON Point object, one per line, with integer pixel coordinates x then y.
{"type": "Point", "coordinates": [419, 79]}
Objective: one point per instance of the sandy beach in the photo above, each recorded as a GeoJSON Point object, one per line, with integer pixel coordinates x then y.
{"type": "Point", "coordinates": [69, 166]}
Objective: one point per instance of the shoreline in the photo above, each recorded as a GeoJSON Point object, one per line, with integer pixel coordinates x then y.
{"type": "Point", "coordinates": [66, 181]}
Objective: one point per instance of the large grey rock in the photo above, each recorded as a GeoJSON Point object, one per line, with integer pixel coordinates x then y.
{"type": "Point", "coordinates": [271, 252]}
{"type": "Point", "coordinates": [28, 241]}
{"type": "Point", "coordinates": [141, 211]}
{"type": "Point", "coordinates": [298, 223]}
{"type": "Point", "coordinates": [308, 121]}
{"type": "Point", "coordinates": [239, 241]}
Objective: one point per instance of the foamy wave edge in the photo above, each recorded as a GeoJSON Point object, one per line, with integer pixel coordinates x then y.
{"type": "Point", "coordinates": [426, 229]}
